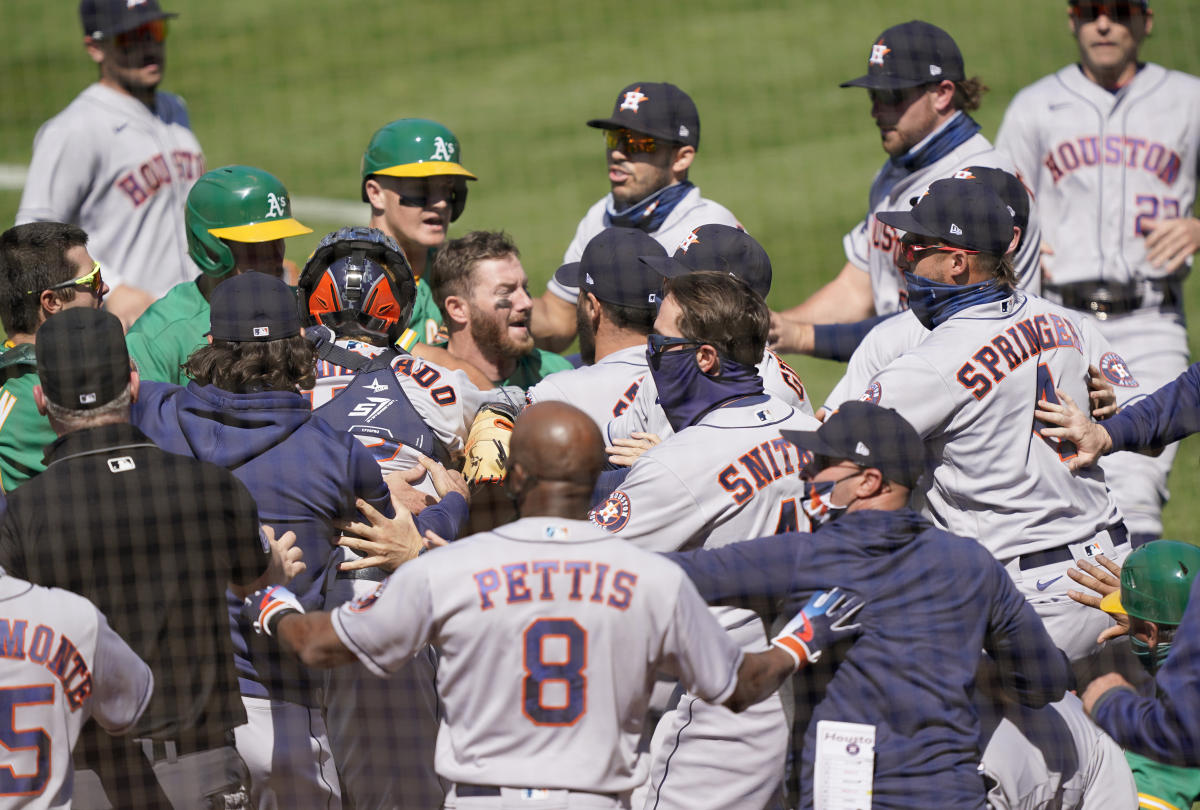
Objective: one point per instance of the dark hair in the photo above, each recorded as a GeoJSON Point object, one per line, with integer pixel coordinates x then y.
{"type": "Point", "coordinates": [968, 93]}
{"type": "Point", "coordinates": [999, 266]}
{"type": "Point", "coordinates": [287, 364]}
{"type": "Point", "coordinates": [721, 310]}
{"type": "Point", "coordinates": [34, 257]}
{"type": "Point", "coordinates": [635, 319]}
{"type": "Point", "coordinates": [455, 261]}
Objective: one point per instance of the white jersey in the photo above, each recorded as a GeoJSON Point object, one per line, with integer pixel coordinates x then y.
{"type": "Point", "coordinates": [1105, 165]}
{"type": "Point", "coordinates": [603, 390]}
{"type": "Point", "coordinates": [970, 389]}
{"type": "Point", "coordinates": [646, 415]}
{"type": "Point", "coordinates": [122, 173]}
{"type": "Point", "coordinates": [885, 342]}
{"type": "Point", "coordinates": [550, 633]}
{"type": "Point", "coordinates": [60, 663]}
{"type": "Point", "coordinates": [874, 246]}
{"type": "Point", "coordinates": [690, 213]}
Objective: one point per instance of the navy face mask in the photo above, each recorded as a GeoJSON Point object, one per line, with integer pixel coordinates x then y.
{"type": "Point", "coordinates": [934, 302]}
{"type": "Point", "coordinates": [684, 391]}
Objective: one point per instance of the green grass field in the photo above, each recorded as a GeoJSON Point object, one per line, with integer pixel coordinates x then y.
{"type": "Point", "coordinates": [297, 86]}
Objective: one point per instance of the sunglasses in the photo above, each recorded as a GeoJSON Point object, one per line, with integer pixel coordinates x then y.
{"type": "Point", "coordinates": [1118, 12]}
{"type": "Point", "coordinates": [912, 251]}
{"type": "Point", "coordinates": [629, 142]}
{"type": "Point", "coordinates": [660, 344]}
{"type": "Point", "coordinates": [894, 98]}
{"type": "Point", "coordinates": [422, 200]}
{"type": "Point", "coordinates": [153, 31]}
{"type": "Point", "coordinates": [92, 281]}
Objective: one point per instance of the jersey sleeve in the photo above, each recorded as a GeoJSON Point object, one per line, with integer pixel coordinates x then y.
{"type": "Point", "coordinates": [1169, 414]}
{"type": "Point", "coordinates": [249, 553]}
{"type": "Point", "coordinates": [1018, 139]}
{"type": "Point", "coordinates": [60, 172]}
{"type": "Point", "coordinates": [639, 415]}
{"type": "Point", "coordinates": [697, 651]}
{"type": "Point", "coordinates": [857, 247]}
{"type": "Point", "coordinates": [754, 574]}
{"type": "Point", "coordinates": [387, 628]}
{"type": "Point", "coordinates": [121, 681]}
{"type": "Point", "coordinates": [883, 344]}
{"type": "Point", "coordinates": [916, 390]}
{"type": "Point", "coordinates": [653, 509]}
{"type": "Point", "coordinates": [1113, 367]}
{"type": "Point", "coordinates": [153, 363]}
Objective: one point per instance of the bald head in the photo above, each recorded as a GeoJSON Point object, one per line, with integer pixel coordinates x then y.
{"type": "Point", "coordinates": [554, 441]}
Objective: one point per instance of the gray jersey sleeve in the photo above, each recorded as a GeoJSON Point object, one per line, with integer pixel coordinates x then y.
{"type": "Point", "coordinates": [60, 174]}
{"type": "Point", "coordinates": [654, 509]}
{"type": "Point", "coordinates": [697, 651]}
{"type": "Point", "coordinates": [121, 682]}
{"type": "Point", "coordinates": [916, 390]}
{"type": "Point", "coordinates": [388, 627]}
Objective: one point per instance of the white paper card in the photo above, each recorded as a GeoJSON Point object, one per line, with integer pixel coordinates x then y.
{"type": "Point", "coordinates": [845, 766]}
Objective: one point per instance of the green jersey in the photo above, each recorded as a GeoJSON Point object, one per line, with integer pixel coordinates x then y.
{"type": "Point", "coordinates": [531, 368]}
{"type": "Point", "coordinates": [426, 319]}
{"type": "Point", "coordinates": [1163, 787]}
{"type": "Point", "coordinates": [168, 332]}
{"type": "Point", "coordinates": [24, 433]}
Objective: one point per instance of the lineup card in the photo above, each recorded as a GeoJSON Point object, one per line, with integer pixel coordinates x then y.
{"type": "Point", "coordinates": [845, 766]}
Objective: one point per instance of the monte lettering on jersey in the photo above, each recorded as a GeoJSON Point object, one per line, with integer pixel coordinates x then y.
{"type": "Point", "coordinates": [66, 663]}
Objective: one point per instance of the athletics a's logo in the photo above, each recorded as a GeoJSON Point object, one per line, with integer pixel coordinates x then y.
{"type": "Point", "coordinates": [878, 51]}
{"type": "Point", "coordinates": [632, 99]}
{"type": "Point", "coordinates": [277, 205]}
{"type": "Point", "coordinates": [443, 150]}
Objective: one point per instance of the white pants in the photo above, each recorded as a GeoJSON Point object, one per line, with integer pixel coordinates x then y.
{"type": "Point", "coordinates": [286, 749]}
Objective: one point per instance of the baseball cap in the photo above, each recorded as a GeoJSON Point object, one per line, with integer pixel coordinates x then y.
{"type": "Point", "coordinates": [870, 436]}
{"type": "Point", "coordinates": [908, 55]}
{"type": "Point", "coordinates": [104, 18]}
{"type": "Point", "coordinates": [657, 109]}
{"type": "Point", "coordinates": [253, 307]}
{"type": "Point", "coordinates": [719, 247]}
{"type": "Point", "coordinates": [82, 361]}
{"type": "Point", "coordinates": [1008, 188]}
{"type": "Point", "coordinates": [968, 215]}
{"type": "Point", "coordinates": [609, 268]}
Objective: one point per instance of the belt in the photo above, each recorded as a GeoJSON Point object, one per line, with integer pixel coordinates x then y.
{"type": "Point", "coordinates": [1106, 298]}
{"type": "Point", "coordinates": [170, 750]}
{"type": "Point", "coordinates": [462, 789]}
{"type": "Point", "coordinates": [372, 574]}
{"type": "Point", "coordinates": [1118, 534]}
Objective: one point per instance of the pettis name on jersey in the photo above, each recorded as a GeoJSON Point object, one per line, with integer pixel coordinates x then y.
{"type": "Point", "coordinates": [550, 580]}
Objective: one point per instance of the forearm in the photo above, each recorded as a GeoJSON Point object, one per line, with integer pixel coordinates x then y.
{"type": "Point", "coordinates": [552, 322]}
{"type": "Point", "coordinates": [846, 298]}
{"type": "Point", "coordinates": [447, 518]}
{"type": "Point", "coordinates": [755, 574]}
{"type": "Point", "coordinates": [312, 638]}
{"type": "Point", "coordinates": [837, 341]}
{"type": "Point", "coordinates": [1169, 414]}
{"type": "Point", "coordinates": [759, 675]}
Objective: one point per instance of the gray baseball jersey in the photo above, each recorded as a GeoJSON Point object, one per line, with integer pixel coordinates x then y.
{"type": "Point", "coordinates": [690, 213]}
{"type": "Point", "coordinates": [62, 663]}
{"type": "Point", "coordinates": [646, 415]}
{"type": "Point", "coordinates": [885, 342]}
{"type": "Point", "coordinates": [970, 389]}
{"type": "Point", "coordinates": [603, 390]}
{"type": "Point", "coordinates": [550, 633]}
{"type": "Point", "coordinates": [874, 247]}
{"type": "Point", "coordinates": [122, 173]}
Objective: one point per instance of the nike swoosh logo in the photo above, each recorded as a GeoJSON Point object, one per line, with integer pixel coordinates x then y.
{"type": "Point", "coordinates": [118, 129]}
{"type": "Point", "coordinates": [1060, 105]}
{"type": "Point", "coordinates": [1044, 584]}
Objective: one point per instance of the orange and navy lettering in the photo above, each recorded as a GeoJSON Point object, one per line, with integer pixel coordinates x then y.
{"type": "Point", "coordinates": [762, 465]}
{"type": "Point", "coordinates": [65, 663]}
{"type": "Point", "coordinates": [1012, 347]}
{"type": "Point", "coordinates": [578, 580]}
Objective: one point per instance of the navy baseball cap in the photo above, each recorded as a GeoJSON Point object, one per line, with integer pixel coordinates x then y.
{"type": "Point", "coordinates": [1008, 187]}
{"type": "Point", "coordinates": [82, 361]}
{"type": "Point", "coordinates": [909, 55]}
{"type": "Point", "coordinates": [723, 248]}
{"type": "Point", "coordinates": [657, 109]}
{"type": "Point", "coordinates": [869, 436]}
{"type": "Point", "coordinates": [104, 18]}
{"type": "Point", "coordinates": [609, 268]}
{"type": "Point", "coordinates": [253, 307]}
{"type": "Point", "coordinates": [964, 214]}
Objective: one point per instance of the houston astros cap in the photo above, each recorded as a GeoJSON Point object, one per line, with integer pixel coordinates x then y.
{"type": "Point", "coordinates": [909, 55]}
{"type": "Point", "coordinates": [104, 18]}
{"type": "Point", "coordinates": [964, 214]}
{"type": "Point", "coordinates": [609, 268]}
{"type": "Point", "coordinates": [1008, 188]}
{"type": "Point", "coordinates": [82, 361]}
{"type": "Point", "coordinates": [253, 307]}
{"type": "Point", "coordinates": [869, 436]}
{"type": "Point", "coordinates": [723, 248]}
{"type": "Point", "coordinates": [657, 109]}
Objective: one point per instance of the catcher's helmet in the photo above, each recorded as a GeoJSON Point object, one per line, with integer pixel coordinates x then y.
{"type": "Point", "coordinates": [240, 204]}
{"type": "Point", "coordinates": [417, 147]}
{"type": "Point", "coordinates": [1155, 582]}
{"type": "Point", "coordinates": [358, 283]}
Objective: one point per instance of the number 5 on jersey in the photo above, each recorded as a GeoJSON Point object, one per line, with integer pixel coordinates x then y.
{"type": "Point", "coordinates": [554, 690]}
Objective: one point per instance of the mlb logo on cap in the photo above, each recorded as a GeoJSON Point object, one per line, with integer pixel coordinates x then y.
{"type": "Point", "coordinates": [87, 399]}
{"type": "Point", "coordinates": [262, 331]}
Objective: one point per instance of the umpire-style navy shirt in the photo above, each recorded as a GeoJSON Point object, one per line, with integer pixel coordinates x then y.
{"type": "Point", "coordinates": [934, 601]}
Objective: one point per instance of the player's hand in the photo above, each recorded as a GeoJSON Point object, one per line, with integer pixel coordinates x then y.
{"type": "Point", "coordinates": [789, 336]}
{"type": "Point", "coordinates": [387, 543]}
{"type": "Point", "coordinates": [286, 558]}
{"type": "Point", "coordinates": [1045, 252]}
{"type": "Point", "coordinates": [400, 485]}
{"type": "Point", "coordinates": [445, 481]}
{"type": "Point", "coordinates": [827, 619]}
{"type": "Point", "coordinates": [623, 452]}
{"type": "Point", "coordinates": [1171, 241]}
{"type": "Point", "coordinates": [1091, 440]}
{"type": "Point", "coordinates": [264, 608]}
{"type": "Point", "coordinates": [434, 540]}
{"type": "Point", "coordinates": [1103, 581]}
{"type": "Point", "coordinates": [1101, 394]}
{"type": "Point", "coordinates": [1099, 686]}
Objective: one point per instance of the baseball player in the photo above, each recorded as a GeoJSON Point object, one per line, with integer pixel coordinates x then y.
{"type": "Point", "coordinates": [119, 160]}
{"type": "Point", "coordinates": [726, 474]}
{"type": "Point", "coordinates": [970, 390]}
{"type": "Point", "coordinates": [615, 312]}
{"type": "Point", "coordinates": [920, 99]}
{"type": "Point", "coordinates": [1109, 146]}
{"type": "Point", "coordinates": [237, 218]}
{"type": "Point", "coordinates": [550, 632]}
{"type": "Point", "coordinates": [650, 142]}
{"type": "Point", "coordinates": [60, 664]}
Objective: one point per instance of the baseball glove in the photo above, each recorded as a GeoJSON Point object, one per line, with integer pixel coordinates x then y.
{"type": "Point", "coordinates": [487, 444]}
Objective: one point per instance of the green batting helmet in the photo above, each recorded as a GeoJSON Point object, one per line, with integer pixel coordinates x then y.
{"type": "Point", "coordinates": [1155, 582]}
{"type": "Point", "coordinates": [416, 147]}
{"type": "Point", "coordinates": [238, 204]}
